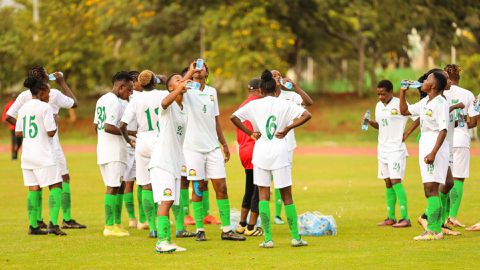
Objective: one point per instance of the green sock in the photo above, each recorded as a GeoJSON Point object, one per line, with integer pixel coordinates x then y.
{"type": "Point", "coordinates": [401, 196]}
{"type": "Point", "coordinates": [32, 207]}
{"type": "Point", "coordinates": [66, 201]}
{"type": "Point", "coordinates": [162, 228]}
{"type": "Point", "coordinates": [278, 203]}
{"type": "Point", "coordinates": [455, 198]}
{"type": "Point", "coordinates": [169, 232]}
{"type": "Point", "coordinates": [118, 209]}
{"type": "Point", "coordinates": [292, 218]}
{"type": "Point", "coordinates": [129, 205]}
{"type": "Point", "coordinates": [444, 202]}
{"type": "Point", "coordinates": [54, 203]}
{"type": "Point", "coordinates": [40, 205]}
{"type": "Point", "coordinates": [391, 200]}
{"type": "Point", "coordinates": [198, 214]}
{"type": "Point", "coordinates": [224, 209]}
{"type": "Point", "coordinates": [149, 208]}
{"type": "Point", "coordinates": [178, 213]}
{"type": "Point", "coordinates": [434, 214]}
{"type": "Point", "coordinates": [141, 214]}
{"type": "Point", "coordinates": [206, 203]}
{"type": "Point", "coordinates": [264, 211]}
{"type": "Point", "coordinates": [109, 200]}
{"type": "Point", "coordinates": [184, 201]}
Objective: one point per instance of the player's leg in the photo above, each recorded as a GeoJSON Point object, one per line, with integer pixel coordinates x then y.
{"type": "Point", "coordinates": [461, 164]}
{"type": "Point", "coordinates": [390, 196]}
{"type": "Point", "coordinates": [246, 201]}
{"type": "Point", "coordinates": [397, 173]}
{"type": "Point", "coordinates": [443, 193]}
{"type": "Point", "coordinates": [278, 208]}
{"type": "Point", "coordinates": [34, 191]}
{"type": "Point", "coordinates": [112, 173]}
{"type": "Point", "coordinates": [197, 206]}
{"type": "Point", "coordinates": [142, 218]}
{"type": "Point", "coordinates": [252, 229]}
{"type": "Point", "coordinates": [208, 218]}
{"type": "Point", "coordinates": [185, 197]}
{"type": "Point", "coordinates": [434, 209]}
{"type": "Point", "coordinates": [129, 203]}
{"type": "Point", "coordinates": [149, 209]}
{"type": "Point", "coordinates": [40, 221]}
{"type": "Point", "coordinates": [262, 179]}
{"type": "Point", "coordinates": [178, 211]}
{"type": "Point", "coordinates": [119, 205]}
{"type": "Point", "coordinates": [54, 202]}
{"type": "Point", "coordinates": [13, 149]}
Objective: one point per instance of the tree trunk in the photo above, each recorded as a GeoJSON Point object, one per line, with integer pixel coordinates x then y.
{"type": "Point", "coordinates": [298, 60]}
{"type": "Point", "coordinates": [361, 65]}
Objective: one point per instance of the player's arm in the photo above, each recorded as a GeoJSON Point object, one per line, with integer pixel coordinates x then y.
{"type": "Point", "coordinates": [412, 127]}
{"type": "Point", "coordinates": [66, 89]}
{"type": "Point", "coordinates": [112, 129]}
{"type": "Point", "coordinates": [306, 115]}
{"type": "Point", "coordinates": [239, 124]}
{"type": "Point", "coordinates": [430, 158]}
{"type": "Point", "coordinates": [190, 72]}
{"type": "Point", "coordinates": [170, 98]}
{"type": "Point", "coordinates": [51, 133]}
{"type": "Point", "coordinates": [11, 120]}
{"type": "Point", "coordinates": [307, 100]}
{"type": "Point", "coordinates": [124, 133]}
{"type": "Point", "coordinates": [373, 123]}
{"type": "Point", "coordinates": [403, 102]}
{"type": "Point", "coordinates": [456, 106]}
{"type": "Point", "coordinates": [221, 139]}
{"type": "Point", "coordinates": [473, 122]}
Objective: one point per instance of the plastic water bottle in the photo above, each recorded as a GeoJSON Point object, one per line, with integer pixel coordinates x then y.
{"type": "Point", "coordinates": [51, 76]}
{"type": "Point", "coordinates": [477, 104]}
{"type": "Point", "coordinates": [288, 85]}
{"type": "Point", "coordinates": [199, 64]}
{"type": "Point", "coordinates": [157, 80]}
{"type": "Point", "coordinates": [366, 119]}
{"type": "Point", "coordinates": [193, 85]}
{"type": "Point", "coordinates": [410, 84]}
{"type": "Point", "coordinates": [461, 118]}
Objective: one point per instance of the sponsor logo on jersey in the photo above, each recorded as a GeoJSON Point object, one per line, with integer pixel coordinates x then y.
{"type": "Point", "coordinates": [394, 112]}
{"type": "Point", "coordinates": [192, 172]}
{"type": "Point", "coordinates": [167, 192]}
{"type": "Point", "coordinates": [184, 168]}
{"type": "Point", "coordinates": [429, 113]}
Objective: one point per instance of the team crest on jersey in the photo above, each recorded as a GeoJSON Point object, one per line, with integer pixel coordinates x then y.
{"type": "Point", "coordinates": [184, 169]}
{"type": "Point", "coordinates": [394, 112]}
{"type": "Point", "coordinates": [211, 97]}
{"type": "Point", "coordinates": [429, 113]}
{"type": "Point", "coordinates": [167, 192]}
{"type": "Point", "coordinates": [192, 172]}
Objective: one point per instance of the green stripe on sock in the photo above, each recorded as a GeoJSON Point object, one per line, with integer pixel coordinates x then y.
{"type": "Point", "coordinates": [109, 201]}
{"type": "Point", "coordinates": [456, 195]}
{"type": "Point", "coordinates": [264, 211]}
{"type": "Point", "coordinates": [198, 214]}
{"type": "Point", "coordinates": [391, 200]}
{"type": "Point", "coordinates": [178, 213]}
{"type": "Point", "coordinates": [149, 208]}
{"type": "Point", "coordinates": [141, 213]}
{"type": "Point", "coordinates": [224, 209]}
{"type": "Point", "coordinates": [118, 208]}
{"type": "Point", "coordinates": [206, 203]}
{"type": "Point", "coordinates": [292, 218]}
{"type": "Point", "coordinates": [278, 203]}
{"type": "Point", "coordinates": [32, 207]}
{"type": "Point", "coordinates": [129, 204]}
{"type": "Point", "coordinates": [444, 202]}
{"type": "Point", "coordinates": [40, 205]}
{"type": "Point", "coordinates": [402, 200]}
{"type": "Point", "coordinates": [162, 228]}
{"type": "Point", "coordinates": [54, 202]}
{"type": "Point", "coordinates": [66, 202]}
{"type": "Point", "coordinates": [434, 214]}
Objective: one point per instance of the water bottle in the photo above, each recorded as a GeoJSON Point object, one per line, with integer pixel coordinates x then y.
{"type": "Point", "coordinates": [477, 104]}
{"type": "Point", "coordinates": [410, 84]}
{"type": "Point", "coordinates": [288, 85]}
{"type": "Point", "coordinates": [193, 85]}
{"type": "Point", "coordinates": [461, 118]}
{"type": "Point", "coordinates": [51, 76]}
{"type": "Point", "coordinates": [199, 64]}
{"type": "Point", "coordinates": [157, 80]}
{"type": "Point", "coordinates": [366, 119]}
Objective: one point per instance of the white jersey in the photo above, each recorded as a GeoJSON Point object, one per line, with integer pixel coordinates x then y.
{"type": "Point", "coordinates": [461, 136]}
{"type": "Point", "coordinates": [201, 108]}
{"type": "Point", "coordinates": [434, 114]}
{"type": "Point", "coordinates": [143, 109]}
{"type": "Point", "coordinates": [168, 154]}
{"type": "Point", "coordinates": [391, 125]}
{"type": "Point", "coordinates": [269, 115]}
{"type": "Point", "coordinates": [35, 119]}
{"type": "Point", "coordinates": [451, 122]}
{"type": "Point", "coordinates": [297, 99]}
{"type": "Point", "coordinates": [57, 100]}
{"type": "Point", "coordinates": [109, 110]}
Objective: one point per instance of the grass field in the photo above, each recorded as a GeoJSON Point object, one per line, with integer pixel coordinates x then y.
{"type": "Point", "coordinates": [344, 187]}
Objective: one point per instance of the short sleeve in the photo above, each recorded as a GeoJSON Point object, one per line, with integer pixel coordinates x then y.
{"type": "Point", "coordinates": [19, 126]}
{"type": "Point", "coordinates": [49, 120]}
{"type": "Point", "coordinates": [19, 101]}
{"type": "Point", "coordinates": [297, 98]}
{"type": "Point", "coordinates": [63, 101]}
{"type": "Point", "coordinates": [294, 111]}
{"type": "Point", "coordinates": [111, 112]}
{"type": "Point", "coordinates": [245, 113]}
{"type": "Point", "coordinates": [216, 110]}
{"type": "Point", "coordinates": [471, 106]}
{"type": "Point", "coordinates": [415, 109]}
{"type": "Point", "coordinates": [441, 115]}
{"type": "Point", "coordinates": [129, 113]}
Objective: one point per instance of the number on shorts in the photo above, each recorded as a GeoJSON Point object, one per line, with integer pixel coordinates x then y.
{"type": "Point", "coordinates": [32, 127]}
{"type": "Point", "coordinates": [271, 126]}
{"type": "Point", "coordinates": [430, 168]}
{"type": "Point", "coordinates": [101, 116]}
{"type": "Point", "coordinates": [396, 166]}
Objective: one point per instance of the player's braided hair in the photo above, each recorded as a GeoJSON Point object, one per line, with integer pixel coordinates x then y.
{"type": "Point", "coordinates": [38, 73]}
{"type": "Point", "coordinates": [35, 85]}
{"type": "Point", "coordinates": [134, 74]}
{"type": "Point", "coordinates": [453, 71]}
{"type": "Point", "coordinates": [268, 83]}
{"type": "Point", "coordinates": [147, 79]}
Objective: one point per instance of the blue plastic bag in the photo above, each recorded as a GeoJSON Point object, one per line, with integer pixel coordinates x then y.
{"type": "Point", "coordinates": [316, 224]}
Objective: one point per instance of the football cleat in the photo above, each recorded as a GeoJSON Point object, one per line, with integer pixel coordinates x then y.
{"type": "Point", "coordinates": [36, 231]}
{"type": "Point", "coordinates": [448, 231]}
{"type": "Point", "coordinates": [387, 222]}
{"type": "Point", "coordinates": [422, 221]}
{"type": "Point", "coordinates": [240, 229]}
{"type": "Point", "coordinates": [475, 227]}
{"type": "Point", "coordinates": [230, 235]}
{"type": "Point", "coordinates": [184, 234]}
{"type": "Point", "coordinates": [257, 231]}
{"type": "Point", "coordinates": [120, 230]}
{"type": "Point", "coordinates": [299, 243]}
{"type": "Point", "coordinates": [177, 248]}
{"type": "Point", "coordinates": [454, 222]}
{"type": "Point", "coordinates": [152, 234]}
{"type": "Point", "coordinates": [267, 244]}
{"type": "Point", "coordinates": [164, 247]}
{"type": "Point", "coordinates": [72, 224]}
{"type": "Point", "coordinates": [428, 236]}
{"type": "Point", "coordinates": [201, 236]}
{"type": "Point", "coordinates": [41, 224]}
{"type": "Point", "coordinates": [402, 223]}
{"type": "Point", "coordinates": [55, 229]}
{"type": "Point", "coordinates": [278, 220]}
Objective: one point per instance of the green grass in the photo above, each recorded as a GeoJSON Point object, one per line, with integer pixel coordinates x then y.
{"type": "Point", "coordinates": [345, 187]}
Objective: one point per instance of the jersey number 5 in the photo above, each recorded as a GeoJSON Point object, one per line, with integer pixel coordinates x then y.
{"type": "Point", "coordinates": [32, 127]}
{"type": "Point", "coordinates": [271, 126]}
